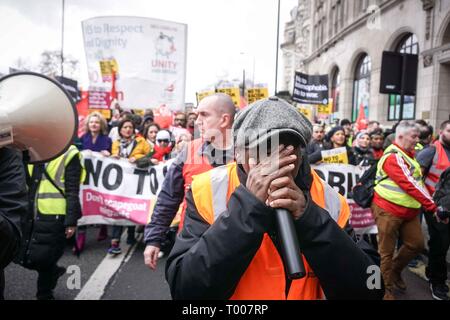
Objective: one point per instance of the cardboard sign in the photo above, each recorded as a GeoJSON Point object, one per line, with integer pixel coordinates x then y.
{"type": "Point", "coordinates": [255, 94]}
{"type": "Point", "coordinates": [338, 155]}
{"type": "Point", "coordinates": [233, 92]}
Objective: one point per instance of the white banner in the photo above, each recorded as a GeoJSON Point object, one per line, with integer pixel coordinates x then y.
{"type": "Point", "coordinates": [117, 192]}
{"type": "Point", "coordinates": [150, 57]}
{"type": "Point", "coordinates": [342, 177]}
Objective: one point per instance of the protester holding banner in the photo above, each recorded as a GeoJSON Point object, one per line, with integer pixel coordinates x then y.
{"type": "Point", "coordinates": [95, 139]}
{"type": "Point", "coordinates": [336, 139]}
{"type": "Point", "coordinates": [114, 132]}
{"type": "Point", "coordinates": [215, 118]}
{"type": "Point", "coordinates": [150, 132]}
{"type": "Point", "coordinates": [96, 136]}
{"type": "Point", "coordinates": [230, 226]}
{"type": "Point", "coordinates": [399, 195]}
{"type": "Point", "coordinates": [130, 147]}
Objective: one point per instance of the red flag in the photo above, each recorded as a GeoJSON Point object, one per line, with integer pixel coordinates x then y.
{"type": "Point", "coordinates": [113, 86]}
{"type": "Point", "coordinates": [361, 122]}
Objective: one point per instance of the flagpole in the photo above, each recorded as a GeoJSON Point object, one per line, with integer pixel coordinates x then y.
{"type": "Point", "coordinates": [278, 44]}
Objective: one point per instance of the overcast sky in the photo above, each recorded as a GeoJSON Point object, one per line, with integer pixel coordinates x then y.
{"type": "Point", "coordinates": [224, 36]}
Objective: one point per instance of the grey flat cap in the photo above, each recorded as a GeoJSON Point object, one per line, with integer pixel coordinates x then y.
{"type": "Point", "coordinates": [268, 117]}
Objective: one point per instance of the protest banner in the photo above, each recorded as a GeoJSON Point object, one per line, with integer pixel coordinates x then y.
{"type": "Point", "coordinates": [325, 108]}
{"type": "Point", "coordinates": [255, 94]}
{"type": "Point", "coordinates": [202, 94]}
{"type": "Point", "coordinates": [310, 89]}
{"type": "Point", "coordinates": [99, 98]}
{"type": "Point", "coordinates": [342, 177]}
{"type": "Point", "coordinates": [117, 192]}
{"type": "Point", "coordinates": [233, 92]}
{"type": "Point", "coordinates": [107, 68]}
{"type": "Point", "coordinates": [337, 155]}
{"type": "Point", "coordinates": [148, 55]}
{"type": "Point", "coordinates": [306, 112]}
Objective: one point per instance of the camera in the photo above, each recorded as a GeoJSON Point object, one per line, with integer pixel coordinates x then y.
{"type": "Point", "coordinates": [442, 213]}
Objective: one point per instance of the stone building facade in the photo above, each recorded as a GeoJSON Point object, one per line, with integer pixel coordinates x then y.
{"type": "Point", "coordinates": [346, 38]}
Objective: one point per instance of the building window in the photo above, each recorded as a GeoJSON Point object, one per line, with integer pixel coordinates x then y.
{"type": "Point", "coordinates": [361, 87]}
{"type": "Point", "coordinates": [335, 84]}
{"type": "Point", "coordinates": [408, 44]}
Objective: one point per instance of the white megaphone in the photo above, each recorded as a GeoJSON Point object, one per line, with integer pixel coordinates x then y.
{"type": "Point", "coordinates": [36, 114]}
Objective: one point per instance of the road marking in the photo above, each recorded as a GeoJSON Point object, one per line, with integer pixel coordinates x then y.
{"type": "Point", "coordinates": [94, 288]}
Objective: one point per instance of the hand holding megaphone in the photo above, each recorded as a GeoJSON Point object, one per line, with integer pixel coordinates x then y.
{"type": "Point", "coordinates": [36, 114]}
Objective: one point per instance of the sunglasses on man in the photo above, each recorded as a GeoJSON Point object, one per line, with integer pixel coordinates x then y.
{"type": "Point", "coordinates": [164, 140]}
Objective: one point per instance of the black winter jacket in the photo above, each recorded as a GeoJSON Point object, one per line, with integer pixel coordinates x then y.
{"type": "Point", "coordinates": [44, 235]}
{"type": "Point", "coordinates": [208, 261]}
{"type": "Point", "coordinates": [13, 203]}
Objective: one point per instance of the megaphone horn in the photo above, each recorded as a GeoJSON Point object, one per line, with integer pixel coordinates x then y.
{"type": "Point", "coordinates": [36, 114]}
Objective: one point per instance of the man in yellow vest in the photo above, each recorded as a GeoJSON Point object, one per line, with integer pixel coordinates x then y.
{"type": "Point", "coordinates": [54, 209]}
{"type": "Point", "coordinates": [229, 247]}
{"type": "Point", "coordinates": [399, 194]}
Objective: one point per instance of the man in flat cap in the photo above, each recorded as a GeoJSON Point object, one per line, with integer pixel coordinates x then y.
{"type": "Point", "coordinates": [229, 247]}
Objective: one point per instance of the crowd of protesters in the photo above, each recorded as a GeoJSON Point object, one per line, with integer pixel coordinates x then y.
{"type": "Point", "coordinates": [409, 159]}
{"type": "Point", "coordinates": [404, 157]}
{"type": "Point", "coordinates": [140, 140]}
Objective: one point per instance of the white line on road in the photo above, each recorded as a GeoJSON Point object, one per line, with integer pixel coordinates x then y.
{"type": "Point", "coordinates": [95, 286]}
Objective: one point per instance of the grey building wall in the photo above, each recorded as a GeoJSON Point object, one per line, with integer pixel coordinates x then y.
{"type": "Point", "coordinates": [325, 35]}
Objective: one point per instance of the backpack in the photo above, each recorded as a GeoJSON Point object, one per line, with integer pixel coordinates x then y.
{"type": "Point", "coordinates": [364, 189]}
{"type": "Point", "coordinates": [442, 194]}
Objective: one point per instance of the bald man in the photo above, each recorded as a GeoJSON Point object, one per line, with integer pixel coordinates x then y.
{"type": "Point", "coordinates": [212, 149]}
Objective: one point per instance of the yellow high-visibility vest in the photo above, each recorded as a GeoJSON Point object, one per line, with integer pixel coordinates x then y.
{"type": "Point", "coordinates": [418, 146]}
{"type": "Point", "coordinates": [388, 189]}
{"type": "Point", "coordinates": [48, 198]}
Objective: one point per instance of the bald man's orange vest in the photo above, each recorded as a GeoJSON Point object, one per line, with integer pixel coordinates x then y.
{"type": "Point", "coordinates": [438, 166]}
{"type": "Point", "coordinates": [195, 164]}
{"type": "Point", "coordinates": [265, 278]}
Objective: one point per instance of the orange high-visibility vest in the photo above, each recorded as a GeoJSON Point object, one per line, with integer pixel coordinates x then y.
{"type": "Point", "coordinates": [195, 164]}
{"type": "Point", "coordinates": [440, 163]}
{"type": "Point", "coordinates": [265, 277]}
